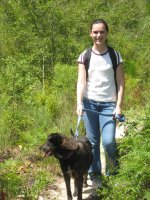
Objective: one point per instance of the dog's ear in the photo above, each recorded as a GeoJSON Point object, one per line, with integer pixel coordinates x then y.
{"type": "Point", "coordinates": [69, 144]}
{"type": "Point", "coordinates": [55, 139]}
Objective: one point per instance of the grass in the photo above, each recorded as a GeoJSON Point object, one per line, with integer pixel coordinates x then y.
{"type": "Point", "coordinates": [133, 178]}
{"type": "Point", "coordinates": [26, 173]}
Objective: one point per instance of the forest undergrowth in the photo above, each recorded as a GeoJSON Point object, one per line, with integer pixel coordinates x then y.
{"type": "Point", "coordinates": [39, 46]}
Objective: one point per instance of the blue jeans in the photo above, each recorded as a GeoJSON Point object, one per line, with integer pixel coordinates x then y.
{"type": "Point", "coordinates": [98, 122]}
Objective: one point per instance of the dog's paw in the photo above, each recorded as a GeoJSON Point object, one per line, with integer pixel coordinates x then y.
{"type": "Point", "coordinates": [75, 194]}
{"type": "Point", "coordinates": [85, 185]}
{"type": "Point", "coordinates": [69, 198]}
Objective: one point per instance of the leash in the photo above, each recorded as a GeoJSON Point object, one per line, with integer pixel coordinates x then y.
{"type": "Point", "coordinates": [120, 118]}
{"type": "Point", "coordinates": [77, 128]}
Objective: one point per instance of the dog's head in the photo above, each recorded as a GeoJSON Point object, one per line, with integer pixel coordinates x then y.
{"type": "Point", "coordinates": [53, 142]}
{"type": "Point", "coordinates": [57, 143]}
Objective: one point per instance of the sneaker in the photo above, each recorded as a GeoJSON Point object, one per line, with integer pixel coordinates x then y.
{"type": "Point", "coordinates": [96, 183]}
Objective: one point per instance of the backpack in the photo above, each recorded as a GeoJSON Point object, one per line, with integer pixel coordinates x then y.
{"type": "Point", "coordinates": [114, 56]}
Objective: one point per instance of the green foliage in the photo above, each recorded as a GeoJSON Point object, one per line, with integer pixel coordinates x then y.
{"type": "Point", "coordinates": [133, 179]}
{"type": "Point", "coordinates": [40, 34]}
{"type": "Point", "coordinates": [64, 88]}
{"type": "Point", "coordinates": [41, 180]}
{"type": "Point", "coordinates": [11, 184]}
{"type": "Point", "coordinates": [39, 45]}
{"type": "Point", "coordinates": [21, 177]}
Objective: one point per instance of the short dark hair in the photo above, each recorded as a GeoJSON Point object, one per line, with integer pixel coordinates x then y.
{"type": "Point", "coordinates": [97, 21]}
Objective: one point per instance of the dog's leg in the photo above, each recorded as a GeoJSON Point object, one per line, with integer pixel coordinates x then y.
{"type": "Point", "coordinates": [67, 180]}
{"type": "Point", "coordinates": [85, 180]}
{"type": "Point", "coordinates": [80, 186]}
{"type": "Point", "coordinates": [75, 187]}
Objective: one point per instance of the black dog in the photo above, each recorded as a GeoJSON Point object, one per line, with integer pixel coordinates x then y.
{"type": "Point", "coordinates": [75, 157]}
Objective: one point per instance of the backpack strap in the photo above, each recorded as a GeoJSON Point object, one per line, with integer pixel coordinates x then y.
{"type": "Point", "coordinates": [114, 59]}
{"type": "Point", "coordinates": [87, 57]}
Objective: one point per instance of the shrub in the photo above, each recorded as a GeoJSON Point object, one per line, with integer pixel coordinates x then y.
{"type": "Point", "coordinates": [133, 179]}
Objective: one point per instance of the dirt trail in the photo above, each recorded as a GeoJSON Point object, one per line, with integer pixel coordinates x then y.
{"type": "Point", "coordinates": [57, 191]}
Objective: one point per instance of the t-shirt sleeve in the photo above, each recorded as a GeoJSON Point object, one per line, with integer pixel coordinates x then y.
{"type": "Point", "coordinates": [81, 58]}
{"type": "Point", "coordinates": [119, 58]}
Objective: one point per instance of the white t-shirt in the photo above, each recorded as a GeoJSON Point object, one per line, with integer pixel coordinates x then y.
{"type": "Point", "coordinates": [101, 82]}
